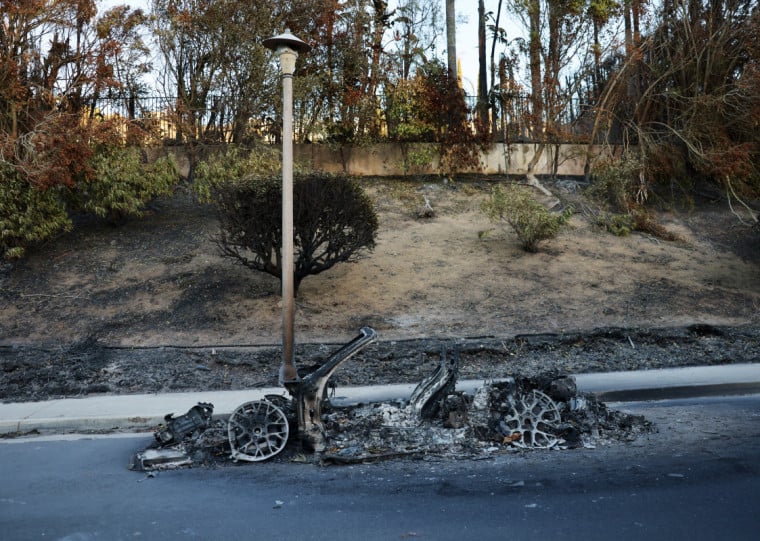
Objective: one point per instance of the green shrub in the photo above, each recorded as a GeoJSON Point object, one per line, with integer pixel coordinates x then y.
{"type": "Point", "coordinates": [617, 182]}
{"type": "Point", "coordinates": [531, 220]}
{"type": "Point", "coordinates": [233, 164]}
{"type": "Point", "coordinates": [418, 158]}
{"type": "Point", "coordinates": [123, 183]}
{"type": "Point", "coordinates": [28, 214]}
{"type": "Point", "coordinates": [120, 185]}
{"type": "Point", "coordinates": [407, 113]}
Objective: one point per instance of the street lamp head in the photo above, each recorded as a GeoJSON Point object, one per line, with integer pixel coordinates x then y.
{"type": "Point", "coordinates": [287, 46]}
{"type": "Point", "coordinates": [288, 40]}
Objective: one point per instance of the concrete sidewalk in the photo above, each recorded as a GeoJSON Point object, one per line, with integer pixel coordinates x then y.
{"type": "Point", "coordinates": [145, 411]}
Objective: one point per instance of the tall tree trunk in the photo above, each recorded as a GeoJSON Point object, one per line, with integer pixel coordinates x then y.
{"type": "Point", "coordinates": [534, 53]}
{"type": "Point", "coordinates": [635, 13]}
{"type": "Point", "coordinates": [455, 118]}
{"type": "Point", "coordinates": [451, 38]}
{"type": "Point", "coordinates": [597, 60]}
{"type": "Point", "coordinates": [628, 20]}
{"type": "Point", "coordinates": [406, 57]}
{"type": "Point", "coordinates": [628, 24]}
{"type": "Point", "coordinates": [493, 44]}
{"type": "Point", "coordinates": [380, 20]}
{"type": "Point", "coordinates": [551, 68]}
{"type": "Point", "coordinates": [329, 40]}
{"type": "Point", "coordinates": [482, 75]}
{"type": "Point", "coordinates": [494, 110]}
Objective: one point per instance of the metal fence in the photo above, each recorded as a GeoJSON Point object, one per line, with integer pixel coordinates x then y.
{"type": "Point", "coordinates": [172, 121]}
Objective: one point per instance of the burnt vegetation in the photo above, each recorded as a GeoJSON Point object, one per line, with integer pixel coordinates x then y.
{"type": "Point", "coordinates": [685, 97]}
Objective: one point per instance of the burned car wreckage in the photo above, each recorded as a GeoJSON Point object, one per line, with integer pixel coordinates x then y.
{"type": "Point", "coordinates": [505, 414]}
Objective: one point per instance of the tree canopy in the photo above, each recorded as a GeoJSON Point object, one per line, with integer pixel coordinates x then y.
{"type": "Point", "coordinates": [573, 70]}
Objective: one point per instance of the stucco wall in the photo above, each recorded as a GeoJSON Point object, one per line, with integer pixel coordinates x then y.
{"type": "Point", "coordinates": [389, 159]}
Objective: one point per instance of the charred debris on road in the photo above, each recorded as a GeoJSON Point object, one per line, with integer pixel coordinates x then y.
{"type": "Point", "coordinates": [506, 415]}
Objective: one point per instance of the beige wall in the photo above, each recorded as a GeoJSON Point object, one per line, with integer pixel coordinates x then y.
{"type": "Point", "coordinates": [387, 159]}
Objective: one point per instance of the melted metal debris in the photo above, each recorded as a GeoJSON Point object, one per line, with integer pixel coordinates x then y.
{"type": "Point", "coordinates": [544, 413]}
{"type": "Point", "coordinates": [517, 414]}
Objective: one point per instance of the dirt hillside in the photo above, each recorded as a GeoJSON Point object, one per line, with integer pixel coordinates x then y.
{"type": "Point", "coordinates": [160, 281]}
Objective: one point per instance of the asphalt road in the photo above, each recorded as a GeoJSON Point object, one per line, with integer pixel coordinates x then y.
{"type": "Point", "coordinates": [697, 478]}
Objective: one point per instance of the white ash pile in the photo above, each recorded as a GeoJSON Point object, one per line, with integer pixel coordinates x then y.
{"type": "Point", "coordinates": [526, 413]}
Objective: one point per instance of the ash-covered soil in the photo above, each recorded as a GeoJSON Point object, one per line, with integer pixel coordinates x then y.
{"type": "Point", "coordinates": [86, 368]}
{"type": "Point", "coordinates": [151, 306]}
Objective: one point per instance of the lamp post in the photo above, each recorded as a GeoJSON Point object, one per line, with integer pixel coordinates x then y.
{"type": "Point", "coordinates": [287, 46]}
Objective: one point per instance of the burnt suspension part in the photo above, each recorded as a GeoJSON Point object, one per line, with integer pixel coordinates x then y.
{"type": "Point", "coordinates": [427, 398]}
{"type": "Point", "coordinates": [309, 392]}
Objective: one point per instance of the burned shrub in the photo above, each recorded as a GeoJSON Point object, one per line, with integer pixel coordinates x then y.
{"type": "Point", "coordinates": [333, 220]}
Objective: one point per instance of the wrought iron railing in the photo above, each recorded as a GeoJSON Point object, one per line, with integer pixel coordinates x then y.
{"type": "Point", "coordinates": [172, 121]}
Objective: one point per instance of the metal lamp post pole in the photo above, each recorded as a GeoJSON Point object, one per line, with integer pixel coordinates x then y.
{"type": "Point", "coordinates": [287, 47]}
{"type": "Point", "coordinates": [287, 370]}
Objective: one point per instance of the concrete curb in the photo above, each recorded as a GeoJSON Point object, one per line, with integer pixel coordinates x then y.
{"type": "Point", "coordinates": [145, 411]}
